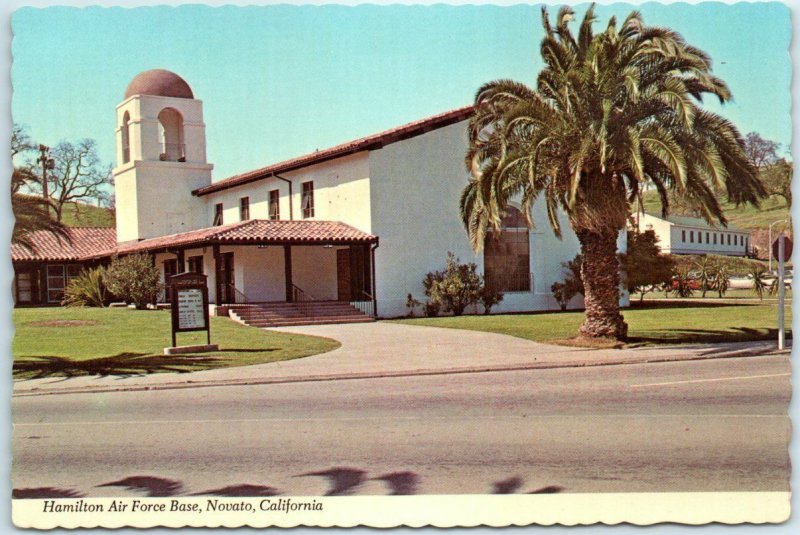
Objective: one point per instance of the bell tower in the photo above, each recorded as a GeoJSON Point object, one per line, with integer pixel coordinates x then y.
{"type": "Point", "coordinates": [161, 158]}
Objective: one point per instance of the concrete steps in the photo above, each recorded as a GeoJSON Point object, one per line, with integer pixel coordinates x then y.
{"type": "Point", "coordinates": [305, 313]}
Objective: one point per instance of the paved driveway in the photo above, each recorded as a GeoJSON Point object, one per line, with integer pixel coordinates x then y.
{"type": "Point", "coordinates": [388, 347]}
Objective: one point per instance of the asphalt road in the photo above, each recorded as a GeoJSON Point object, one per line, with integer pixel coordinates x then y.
{"type": "Point", "coordinates": [717, 425]}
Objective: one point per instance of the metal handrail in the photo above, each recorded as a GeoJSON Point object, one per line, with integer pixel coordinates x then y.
{"type": "Point", "coordinates": [239, 297]}
{"type": "Point", "coordinates": [299, 295]}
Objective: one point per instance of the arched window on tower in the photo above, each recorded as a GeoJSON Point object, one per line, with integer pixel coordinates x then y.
{"type": "Point", "coordinates": [507, 255]}
{"type": "Point", "coordinates": [126, 138]}
{"type": "Point", "coordinates": [170, 128]}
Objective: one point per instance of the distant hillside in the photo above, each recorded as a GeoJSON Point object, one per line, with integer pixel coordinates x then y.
{"type": "Point", "coordinates": [86, 215]}
{"type": "Point", "coordinates": [744, 217]}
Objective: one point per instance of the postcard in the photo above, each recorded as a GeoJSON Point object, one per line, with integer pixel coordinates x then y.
{"type": "Point", "coordinates": [401, 265]}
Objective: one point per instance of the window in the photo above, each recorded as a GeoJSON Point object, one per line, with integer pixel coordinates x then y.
{"type": "Point", "coordinates": [715, 238]}
{"type": "Point", "coordinates": [691, 236]}
{"type": "Point", "coordinates": [58, 278]}
{"type": "Point", "coordinates": [506, 257]}
{"type": "Point", "coordinates": [729, 239]}
{"type": "Point", "coordinates": [736, 239]}
{"type": "Point", "coordinates": [308, 200]}
{"type": "Point", "coordinates": [274, 205]}
{"type": "Point", "coordinates": [196, 264]}
{"type": "Point", "coordinates": [126, 138]}
{"type": "Point", "coordinates": [707, 238]}
{"type": "Point", "coordinates": [244, 208]}
{"type": "Point", "coordinates": [218, 214]}
{"type": "Point", "coordinates": [683, 236]}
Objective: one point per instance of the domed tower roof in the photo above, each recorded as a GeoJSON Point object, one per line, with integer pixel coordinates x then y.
{"type": "Point", "coordinates": [159, 82]}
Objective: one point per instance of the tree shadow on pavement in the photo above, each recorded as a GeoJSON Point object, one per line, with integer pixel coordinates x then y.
{"type": "Point", "coordinates": [343, 481]}
{"type": "Point", "coordinates": [38, 493]}
{"type": "Point", "coordinates": [124, 364]}
{"type": "Point", "coordinates": [154, 487]}
{"type": "Point", "coordinates": [240, 491]}
{"type": "Point", "coordinates": [514, 483]}
{"type": "Point", "coordinates": [400, 483]}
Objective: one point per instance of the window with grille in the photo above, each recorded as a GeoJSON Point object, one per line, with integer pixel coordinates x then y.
{"type": "Point", "coordinates": [274, 205]}
{"type": "Point", "coordinates": [506, 256]}
{"type": "Point", "coordinates": [244, 208]}
{"type": "Point", "coordinates": [217, 214]}
{"type": "Point", "coordinates": [308, 200]}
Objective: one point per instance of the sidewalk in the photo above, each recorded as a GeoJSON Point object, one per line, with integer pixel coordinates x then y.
{"type": "Point", "coordinates": [388, 349]}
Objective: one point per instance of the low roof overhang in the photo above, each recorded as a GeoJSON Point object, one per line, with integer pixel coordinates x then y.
{"type": "Point", "coordinates": [257, 232]}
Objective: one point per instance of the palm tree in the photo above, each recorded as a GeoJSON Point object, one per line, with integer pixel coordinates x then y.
{"type": "Point", "coordinates": [705, 274]}
{"type": "Point", "coordinates": [758, 273]}
{"type": "Point", "coordinates": [612, 114]}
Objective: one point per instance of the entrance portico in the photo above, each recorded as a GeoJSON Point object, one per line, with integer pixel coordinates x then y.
{"type": "Point", "coordinates": [260, 261]}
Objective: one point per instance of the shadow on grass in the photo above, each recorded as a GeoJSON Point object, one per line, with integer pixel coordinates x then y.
{"type": "Point", "coordinates": [688, 303]}
{"type": "Point", "coordinates": [124, 364]}
{"type": "Point", "coordinates": [701, 336]}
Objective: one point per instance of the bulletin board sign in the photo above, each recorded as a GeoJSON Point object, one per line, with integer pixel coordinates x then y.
{"type": "Point", "coordinates": [189, 304]}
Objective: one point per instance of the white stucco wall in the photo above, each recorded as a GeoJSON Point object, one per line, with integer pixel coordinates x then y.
{"type": "Point", "coordinates": [341, 193]}
{"type": "Point", "coordinates": [415, 190]}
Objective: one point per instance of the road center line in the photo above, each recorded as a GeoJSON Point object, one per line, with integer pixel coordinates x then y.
{"type": "Point", "coordinates": [739, 378]}
{"type": "Point", "coordinates": [357, 418]}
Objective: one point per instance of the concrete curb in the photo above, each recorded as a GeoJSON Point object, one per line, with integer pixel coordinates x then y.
{"type": "Point", "coordinates": [180, 385]}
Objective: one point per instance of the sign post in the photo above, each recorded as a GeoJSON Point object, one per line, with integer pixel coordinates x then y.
{"type": "Point", "coordinates": [189, 309]}
{"type": "Point", "coordinates": [784, 251]}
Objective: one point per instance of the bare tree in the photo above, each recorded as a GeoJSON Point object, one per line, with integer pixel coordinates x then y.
{"type": "Point", "coordinates": [761, 152]}
{"type": "Point", "coordinates": [78, 175]}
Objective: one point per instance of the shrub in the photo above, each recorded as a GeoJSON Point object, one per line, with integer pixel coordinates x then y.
{"type": "Point", "coordinates": [86, 290]}
{"type": "Point", "coordinates": [411, 305]}
{"type": "Point", "coordinates": [455, 288]}
{"type": "Point", "coordinates": [759, 283]}
{"type": "Point", "coordinates": [645, 267]}
{"type": "Point", "coordinates": [489, 297]}
{"type": "Point", "coordinates": [432, 308]}
{"type": "Point", "coordinates": [134, 279]}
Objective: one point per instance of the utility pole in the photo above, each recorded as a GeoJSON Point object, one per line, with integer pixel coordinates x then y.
{"type": "Point", "coordinates": [47, 163]}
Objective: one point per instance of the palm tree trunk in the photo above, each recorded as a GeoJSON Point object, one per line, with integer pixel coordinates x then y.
{"type": "Point", "coordinates": [601, 281]}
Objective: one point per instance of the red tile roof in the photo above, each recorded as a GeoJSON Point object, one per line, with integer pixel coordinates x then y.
{"type": "Point", "coordinates": [374, 141]}
{"type": "Point", "coordinates": [93, 243]}
{"type": "Point", "coordinates": [84, 242]}
{"type": "Point", "coordinates": [255, 231]}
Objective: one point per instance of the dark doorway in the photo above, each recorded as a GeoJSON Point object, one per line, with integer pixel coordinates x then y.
{"type": "Point", "coordinates": [344, 280]}
{"type": "Point", "coordinates": [170, 269]}
{"type": "Point", "coordinates": [353, 281]}
{"type": "Point", "coordinates": [225, 279]}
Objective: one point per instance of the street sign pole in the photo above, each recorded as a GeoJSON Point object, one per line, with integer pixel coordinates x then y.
{"type": "Point", "coordinates": [781, 294]}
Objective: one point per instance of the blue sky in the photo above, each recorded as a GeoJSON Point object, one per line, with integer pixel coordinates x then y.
{"type": "Point", "coordinates": [279, 81]}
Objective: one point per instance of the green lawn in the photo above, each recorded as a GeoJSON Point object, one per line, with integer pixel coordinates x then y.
{"type": "Point", "coordinates": [653, 323]}
{"type": "Point", "coordinates": [120, 341]}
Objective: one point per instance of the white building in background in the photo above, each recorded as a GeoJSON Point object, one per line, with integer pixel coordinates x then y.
{"type": "Point", "coordinates": [361, 222]}
{"type": "Point", "coordinates": [692, 235]}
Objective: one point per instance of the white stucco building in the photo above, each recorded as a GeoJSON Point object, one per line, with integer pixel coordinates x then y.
{"type": "Point", "coordinates": [360, 223]}
{"type": "Point", "coordinates": [692, 235]}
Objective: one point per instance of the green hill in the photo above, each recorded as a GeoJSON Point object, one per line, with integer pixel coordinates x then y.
{"type": "Point", "coordinates": [85, 215]}
{"type": "Point", "coordinates": [744, 217]}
